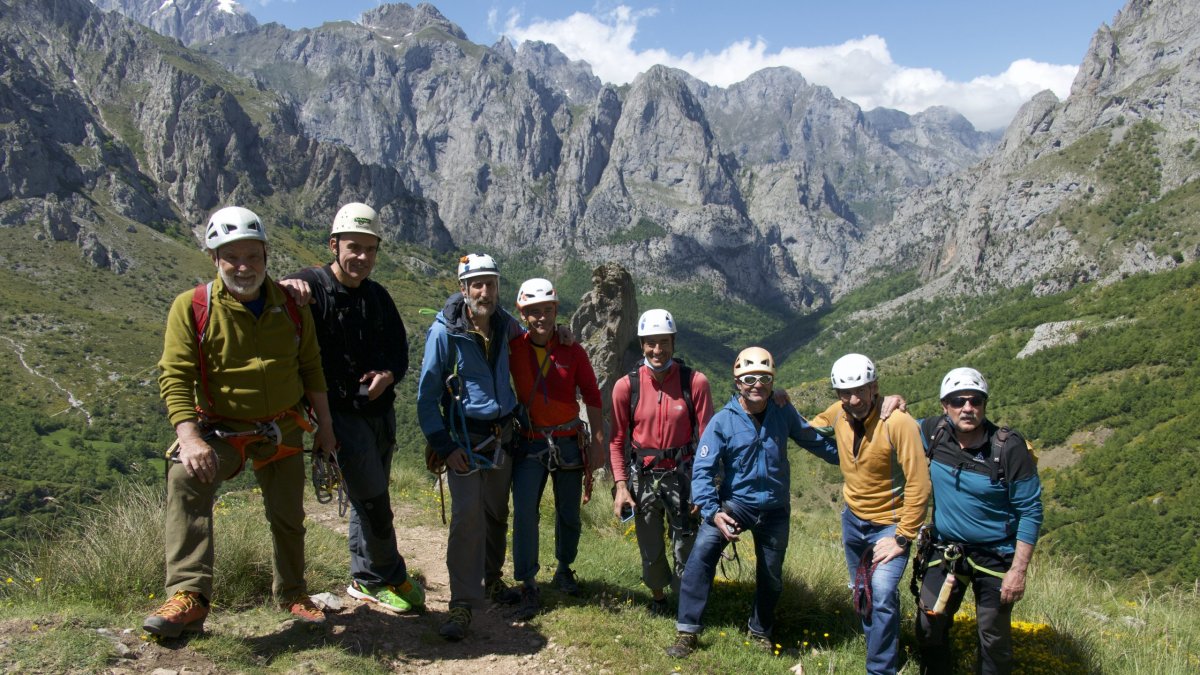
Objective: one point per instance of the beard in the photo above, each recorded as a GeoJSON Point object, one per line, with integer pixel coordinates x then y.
{"type": "Point", "coordinates": [242, 286]}
{"type": "Point", "coordinates": [478, 309]}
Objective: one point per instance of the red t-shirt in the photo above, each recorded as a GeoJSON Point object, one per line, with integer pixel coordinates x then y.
{"type": "Point", "coordinates": [661, 420]}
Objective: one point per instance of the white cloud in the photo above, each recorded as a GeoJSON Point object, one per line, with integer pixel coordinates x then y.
{"type": "Point", "coordinates": [861, 70]}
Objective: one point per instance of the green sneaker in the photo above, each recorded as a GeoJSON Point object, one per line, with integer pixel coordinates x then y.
{"type": "Point", "coordinates": [411, 592]}
{"type": "Point", "coordinates": [385, 596]}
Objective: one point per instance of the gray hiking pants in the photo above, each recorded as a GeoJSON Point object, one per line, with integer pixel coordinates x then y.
{"type": "Point", "coordinates": [478, 528]}
{"type": "Point", "coordinates": [662, 499]}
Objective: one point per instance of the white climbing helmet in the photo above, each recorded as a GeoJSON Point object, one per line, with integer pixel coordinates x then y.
{"type": "Point", "coordinates": [852, 371]}
{"type": "Point", "coordinates": [656, 322]}
{"type": "Point", "coordinates": [534, 291]}
{"type": "Point", "coordinates": [356, 217]}
{"type": "Point", "coordinates": [477, 265]}
{"type": "Point", "coordinates": [233, 223]}
{"type": "Point", "coordinates": [963, 379]}
{"type": "Point", "coordinates": [753, 360]}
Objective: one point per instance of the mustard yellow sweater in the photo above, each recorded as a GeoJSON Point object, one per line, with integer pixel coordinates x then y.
{"type": "Point", "coordinates": [888, 481]}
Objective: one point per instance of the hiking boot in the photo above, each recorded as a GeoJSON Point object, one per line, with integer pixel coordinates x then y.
{"type": "Point", "coordinates": [763, 642]}
{"type": "Point", "coordinates": [304, 610]}
{"type": "Point", "coordinates": [456, 625]}
{"type": "Point", "coordinates": [685, 644]}
{"type": "Point", "coordinates": [185, 611]}
{"type": "Point", "coordinates": [389, 597]}
{"type": "Point", "coordinates": [660, 607]}
{"type": "Point", "coordinates": [531, 602]}
{"type": "Point", "coordinates": [501, 594]}
{"type": "Point", "coordinates": [564, 578]}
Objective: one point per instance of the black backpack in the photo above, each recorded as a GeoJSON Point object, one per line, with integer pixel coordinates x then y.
{"type": "Point", "coordinates": [934, 432]}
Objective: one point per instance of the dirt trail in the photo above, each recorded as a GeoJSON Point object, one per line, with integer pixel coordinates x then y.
{"type": "Point", "coordinates": [406, 643]}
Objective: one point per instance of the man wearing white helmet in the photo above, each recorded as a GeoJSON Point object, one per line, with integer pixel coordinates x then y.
{"type": "Point", "coordinates": [465, 405]}
{"type": "Point", "coordinates": [548, 376]}
{"type": "Point", "coordinates": [987, 514]}
{"type": "Point", "coordinates": [239, 357]}
{"type": "Point", "coordinates": [741, 481]}
{"type": "Point", "coordinates": [886, 487]}
{"type": "Point", "coordinates": [659, 413]}
{"type": "Point", "coordinates": [364, 351]}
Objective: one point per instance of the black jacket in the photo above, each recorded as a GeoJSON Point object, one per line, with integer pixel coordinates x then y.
{"type": "Point", "coordinates": [359, 330]}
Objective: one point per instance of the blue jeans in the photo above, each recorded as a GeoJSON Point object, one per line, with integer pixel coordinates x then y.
{"type": "Point", "coordinates": [770, 529]}
{"type": "Point", "coordinates": [367, 443]}
{"type": "Point", "coordinates": [529, 482]}
{"type": "Point", "coordinates": [883, 630]}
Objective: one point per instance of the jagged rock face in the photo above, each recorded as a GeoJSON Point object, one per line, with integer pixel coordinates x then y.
{"type": "Point", "coordinates": [103, 126]}
{"type": "Point", "coordinates": [573, 78]}
{"type": "Point", "coordinates": [1015, 218]}
{"type": "Point", "coordinates": [524, 150]}
{"type": "Point", "coordinates": [189, 21]}
{"type": "Point", "coordinates": [606, 325]}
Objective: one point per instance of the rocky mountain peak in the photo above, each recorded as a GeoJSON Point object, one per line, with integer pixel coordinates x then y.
{"type": "Point", "coordinates": [402, 19]}
{"type": "Point", "coordinates": [189, 21]}
{"type": "Point", "coordinates": [574, 78]}
{"type": "Point", "coordinates": [1147, 37]}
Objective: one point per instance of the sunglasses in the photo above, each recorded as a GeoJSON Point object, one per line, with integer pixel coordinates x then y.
{"type": "Point", "coordinates": [751, 380]}
{"type": "Point", "coordinates": [960, 401]}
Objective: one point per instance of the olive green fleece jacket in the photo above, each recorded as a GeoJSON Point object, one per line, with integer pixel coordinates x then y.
{"type": "Point", "coordinates": [256, 366]}
{"type": "Point", "coordinates": [887, 481]}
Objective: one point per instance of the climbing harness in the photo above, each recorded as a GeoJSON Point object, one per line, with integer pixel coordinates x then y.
{"type": "Point", "coordinates": [550, 456]}
{"type": "Point", "coordinates": [265, 430]}
{"type": "Point", "coordinates": [956, 559]}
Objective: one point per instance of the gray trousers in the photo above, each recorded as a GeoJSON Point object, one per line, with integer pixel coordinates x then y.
{"type": "Point", "coordinates": [366, 445]}
{"type": "Point", "coordinates": [478, 528]}
{"type": "Point", "coordinates": [658, 500]}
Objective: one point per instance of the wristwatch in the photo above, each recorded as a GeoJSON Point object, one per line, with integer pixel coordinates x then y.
{"type": "Point", "coordinates": [902, 541]}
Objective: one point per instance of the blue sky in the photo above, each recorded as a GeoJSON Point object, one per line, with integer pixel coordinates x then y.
{"type": "Point", "coordinates": [984, 59]}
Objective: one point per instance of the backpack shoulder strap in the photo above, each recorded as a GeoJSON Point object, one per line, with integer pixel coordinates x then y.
{"type": "Point", "coordinates": [635, 386]}
{"type": "Point", "coordinates": [933, 432]}
{"type": "Point", "coordinates": [201, 297]}
{"type": "Point", "coordinates": [293, 312]}
{"type": "Point", "coordinates": [995, 465]}
{"type": "Point", "coordinates": [201, 301]}
{"type": "Point", "coordinates": [685, 385]}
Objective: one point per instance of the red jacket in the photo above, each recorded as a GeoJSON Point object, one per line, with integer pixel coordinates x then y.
{"type": "Point", "coordinates": [549, 395]}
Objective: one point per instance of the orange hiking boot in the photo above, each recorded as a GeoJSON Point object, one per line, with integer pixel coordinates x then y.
{"type": "Point", "coordinates": [304, 610]}
{"type": "Point", "coordinates": [185, 611]}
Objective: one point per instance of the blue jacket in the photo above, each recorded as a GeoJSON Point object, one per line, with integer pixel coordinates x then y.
{"type": "Point", "coordinates": [970, 508]}
{"type": "Point", "coordinates": [752, 461]}
{"type": "Point", "coordinates": [487, 392]}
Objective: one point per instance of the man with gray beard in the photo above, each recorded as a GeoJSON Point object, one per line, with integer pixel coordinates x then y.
{"type": "Point", "coordinates": [239, 359]}
{"type": "Point", "coordinates": [465, 405]}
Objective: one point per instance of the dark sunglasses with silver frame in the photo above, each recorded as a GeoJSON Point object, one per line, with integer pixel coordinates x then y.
{"type": "Point", "coordinates": [976, 401]}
